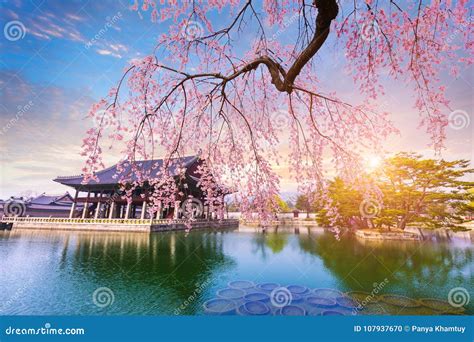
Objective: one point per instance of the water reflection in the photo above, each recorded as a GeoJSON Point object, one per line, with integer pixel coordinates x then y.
{"type": "Point", "coordinates": [414, 269]}
{"type": "Point", "coordinates": [274, 241]}
{"type": "Point", "coordinates": [144, 271]}
{"type": "Point", "coordinates": [57, 272]}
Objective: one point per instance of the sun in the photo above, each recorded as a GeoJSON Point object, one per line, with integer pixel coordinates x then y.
{"type": "Point", "coordinates": [372, 162]}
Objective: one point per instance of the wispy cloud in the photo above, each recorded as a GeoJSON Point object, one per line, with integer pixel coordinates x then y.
{"type": "Point", "coordinates": [75, 17]}
{"type": "Point", "coordinates": [47, 25]}
{"type": "Point", "coordinates": [44, 141]}
{"type": "Point", "coordinates": [104, 52]}
{"type": "Point", "coordinates": [116, 50]}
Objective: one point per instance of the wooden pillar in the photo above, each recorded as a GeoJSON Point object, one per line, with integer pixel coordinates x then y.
{"type": "Point", "coordinates": [86, 205]}
{"type": "Point", "coordinates": [127, 210]}
{"type": "Point", "coordinates": [97, 209]}
{"type": "Point", "coordinates": [143, 210]}
{"type": "Point", "coordinates": [73, 207]}
{"type": "Point", "coordinates": [112, 210]}
{"type": "Point", "coordinates": [159, 213]}
{"type": "Point", "coordinates": [176, 209]}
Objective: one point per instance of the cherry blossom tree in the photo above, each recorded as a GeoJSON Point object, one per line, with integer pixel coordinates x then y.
{"type": "Point", "coordinates": [229, 83]}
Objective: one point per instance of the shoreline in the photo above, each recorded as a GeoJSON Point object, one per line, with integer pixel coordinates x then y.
{"type": "Point", "coordinates": [296, 226]}
{"type": "Point", "coordinates": [114, 225]}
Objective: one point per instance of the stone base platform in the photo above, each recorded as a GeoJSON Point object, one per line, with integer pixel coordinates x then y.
{"type": "Point", "coordinates": [117, 225]}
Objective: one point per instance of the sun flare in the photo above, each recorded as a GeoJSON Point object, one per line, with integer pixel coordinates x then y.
{"type": "Point", "coordinates": [373, 162]}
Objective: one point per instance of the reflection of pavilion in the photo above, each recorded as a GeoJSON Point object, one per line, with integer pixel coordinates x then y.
{"type": "Point", "coordinates": [105, 195]}
{"type": "Point", "coordinates": [150, 274]}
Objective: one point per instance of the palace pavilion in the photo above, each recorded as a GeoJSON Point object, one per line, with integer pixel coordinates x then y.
{"type": "Point", "coordinates": [103, 197]}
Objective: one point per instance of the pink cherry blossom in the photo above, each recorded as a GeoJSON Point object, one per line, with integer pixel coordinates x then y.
{"type": "Point", "coordinates": [214, 88]}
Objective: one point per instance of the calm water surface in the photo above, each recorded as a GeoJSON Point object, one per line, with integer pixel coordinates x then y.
{"type": "Point", "coordinates": [56, 273]}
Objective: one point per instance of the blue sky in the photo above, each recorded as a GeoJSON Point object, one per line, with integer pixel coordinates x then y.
{"type": "Point", "coordinates": [73, 51]}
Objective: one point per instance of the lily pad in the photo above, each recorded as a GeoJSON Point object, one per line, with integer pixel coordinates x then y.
{"type": "Point", "coordinates": [327, 293]}
{"type": "Point", "coordinates": [291, 310]}
{"type": "Point", "coordinates": [257, 296]}
{"type": "Point", "coordinates": [418, 311]}
{"type": "Point", "coordinates": [379, 308]}
{"type": "Point", "coordinates": [361, 297]}
{"type": "Point", "coordinates": [219, 306]}
{"type": "Point", "coordinates": [268, 287]}
{"type": "Point", "coordinates": [332, 313]}
{"type": "Point", "coordinates": [400, 301]}
{"type": "Point", "coordinates": [254, 308]}
{"type": "Point", "coordinates": [231, 293]}
{"type": "Point", "coordinates": [441, 306]}
{"type": "Point", "coordinates": [296, 289]}
{"type": "Point", "coordinates": [241, 284]}
{"type": "Point", "coordinates": [347, 302]}
{"type": "Point", "coordinates": [321, 302]}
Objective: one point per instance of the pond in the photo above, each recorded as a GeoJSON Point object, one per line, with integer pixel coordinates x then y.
{"type": "Point", "coordinates": [83, 273]}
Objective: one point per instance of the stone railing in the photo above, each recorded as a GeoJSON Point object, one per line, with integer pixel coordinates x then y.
{"type": "Point", "coordinates": [130, 221]}
{"type": "Point", "coordinates": [73, 220]}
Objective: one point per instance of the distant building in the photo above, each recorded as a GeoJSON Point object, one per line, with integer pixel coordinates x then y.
{"type": "Point", "coordinates": [50, 205]}
{"type": "Point", "coordinates": [41, 206]}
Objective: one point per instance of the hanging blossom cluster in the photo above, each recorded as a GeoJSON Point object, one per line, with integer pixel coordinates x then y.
{"type": "Point", "coordinates": [247, 106]}
{"type": "Point", "coordinates": [416, 41]}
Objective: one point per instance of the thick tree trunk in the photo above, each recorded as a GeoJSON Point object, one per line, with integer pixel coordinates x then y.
{"type": "Point", "coordinates": [327, 12]}
{"type": "Point", "coordinates": [403, 223]}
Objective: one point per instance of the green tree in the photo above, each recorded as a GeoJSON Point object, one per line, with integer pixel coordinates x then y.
{"type": "Point", "coordinates": [281, 205]}
{"type": "Point", "coordinates": [276, 242]}
{"type": "Point", "coordinates": [426, 192]}
{"type": "Point", "coordinates": [303, 203]}
{"type": "Point", "coordinates": [347, 201]}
